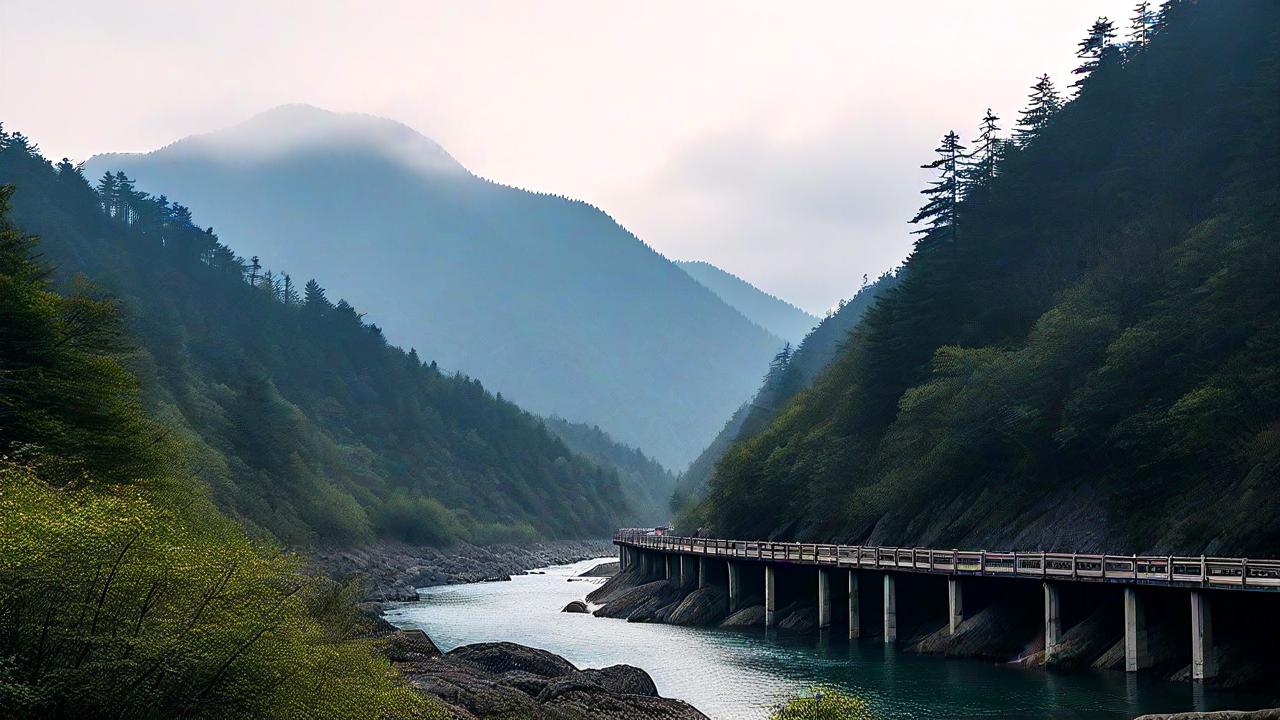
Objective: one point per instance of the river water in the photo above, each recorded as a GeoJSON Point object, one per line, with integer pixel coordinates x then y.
{"type": "Point", "coordinates": [741, 675]}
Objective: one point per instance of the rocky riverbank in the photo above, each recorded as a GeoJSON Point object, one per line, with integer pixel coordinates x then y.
{"type": "Point", "coordinates": [505, 680]}
{"type": "Point", "coordinates": [392, 571]}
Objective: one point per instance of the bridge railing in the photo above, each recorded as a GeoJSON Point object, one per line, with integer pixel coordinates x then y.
{"type": "Point", "coordinates": [1210, 571]}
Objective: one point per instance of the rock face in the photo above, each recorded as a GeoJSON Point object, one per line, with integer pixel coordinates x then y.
{"type": "Point", "coordinates": [608, 569]}
{"type": "Point", "coordinates": [990, 634]}
{"type": "Point", "coordinates": [390, 571]}
{"type": "Point", "coordinates": [798, 617]}
{"type": "Point", "coordinates": [704, 606]}
{"type": "Point", "coordinates": [505, 680]}
{"type": "Point", "coordinates": [408, 646]}
{"type": "Point", "coordinates": [752, 616]}
{"type": "Point", "coordinates": [641, 603]}
{"type": "Point", "coordinates": [575, 606]}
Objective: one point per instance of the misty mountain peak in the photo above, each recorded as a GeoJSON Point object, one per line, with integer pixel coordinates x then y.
{"type": "Point", "coordinates": [290, 129]}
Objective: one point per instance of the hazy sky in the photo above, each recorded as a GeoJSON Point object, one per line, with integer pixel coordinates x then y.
{"type": "Point", "coordinates": [778, 140]}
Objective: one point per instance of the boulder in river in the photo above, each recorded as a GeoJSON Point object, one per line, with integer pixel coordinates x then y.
{"type": "Point", "coordinates": [575, 606]}
{"type": "Point", "coordinates": [505, 680]}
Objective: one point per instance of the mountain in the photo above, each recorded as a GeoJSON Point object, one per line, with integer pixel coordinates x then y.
{"type": "Point", "coordinates": [645, 483]}
{"type": "Point", "coordinates": [787, 376]}
{"type": "Point", "coordinates": [543, 298]}
{"type": "Point", "coordinates": [1083, 354]}
{"type": "Point", "coordinates": [303, 421]}
{"type": "Point", "coordinates": [126, 592]}
{"type": "Point", "coordinates": [771, 313]}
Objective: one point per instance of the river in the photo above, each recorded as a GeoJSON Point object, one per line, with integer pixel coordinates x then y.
{"type": "Point", "coordinates": [740, 675]}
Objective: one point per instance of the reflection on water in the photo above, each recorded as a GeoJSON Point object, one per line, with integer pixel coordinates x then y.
{"type": "Point", "coordinates": [740, 675]}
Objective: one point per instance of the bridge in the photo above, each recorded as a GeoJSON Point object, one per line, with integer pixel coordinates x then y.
{"type": "Point", "coordinates": [689, 560]}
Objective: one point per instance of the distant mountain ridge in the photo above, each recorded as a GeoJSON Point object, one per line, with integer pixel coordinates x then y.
{"type": "Point", "coordinates": [768, 311]}
{"type": "Point", "coordinates": [545, 299]}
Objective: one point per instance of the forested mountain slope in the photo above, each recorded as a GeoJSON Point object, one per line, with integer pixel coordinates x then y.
{"type": "Point", "coordinates": [301, 418]}
{"type": "Point", "coordinates": [543, 298]}
{"type": "Point", "coordinates": [789, 373]}
{"type": "Point", "coordinates": [646, 484]}
{"type": "Point", "coordinates": [1084, 352]}
{"type": "Point", "coordinates": [123, 592]}
{"type": "Point", "coordinates": [769, 312]}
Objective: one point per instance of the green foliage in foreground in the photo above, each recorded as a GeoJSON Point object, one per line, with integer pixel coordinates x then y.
{"type": "Point", "coordinates": [823, 704]}
{"type": "Point", "coordinates": [127, 602]}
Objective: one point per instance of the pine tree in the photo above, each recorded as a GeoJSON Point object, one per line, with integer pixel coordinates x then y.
{"type": "Point", "coordinates": [1044, 103]}
{"type": "Point", "coordinates": [290, 295]}
{"type": "Point", "coordinates": [254, 267]}
{"type": "Point", "coordinates": [1141, 25]}
{"type": "Point", "coordinates": [985, 161]}
{"type": "Point", "coordinates": [109, 195]}
{"type": "Point", "coordinates": [939, 211]}
{"type": "Point", "coordinates": [127, 197]}
{"type": "Point", "coordinates": [313, 297]}
{"type": "Point", "coordinates": [1095, 49]}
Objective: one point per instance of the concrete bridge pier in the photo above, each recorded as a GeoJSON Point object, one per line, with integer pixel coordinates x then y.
{"type": "Point", "coordinates": [955, 605]}
{"type": "Point", "coordinates": [855, 611]}
{"type": "Point", "coordinates": [735, 586]}
{"type": "Point", "coordinates": [890, 610]}
{"type": "Point", "coordinates": [704, 572]}
{"type": "Point", "coordinates": [1052, 621]}
{"type": "Point", "coordinates": [824, 598]}
{"type": "Point", "coordinates": [1136, 656]}
{"type": "Point", "coordinates": [688, 571]}
{"type": "Point", "coordinates": [1204, 664]}
{"type": "Point", "coordinates": [770, 597]}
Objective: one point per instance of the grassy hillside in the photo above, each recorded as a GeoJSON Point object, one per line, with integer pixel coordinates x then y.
{"type": "Point", "coordinates": [296, 412]}
{"type": "Point", "coordinates": [546, 299]}
{"type": "Point", "coordinates": [1085, 354]}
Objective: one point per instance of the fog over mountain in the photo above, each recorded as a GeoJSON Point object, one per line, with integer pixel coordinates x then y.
{"type": "Point", "coordinates": [544, 299]}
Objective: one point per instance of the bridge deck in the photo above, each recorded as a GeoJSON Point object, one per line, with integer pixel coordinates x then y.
{"type": "Point", "coordinates": [1204, 572]}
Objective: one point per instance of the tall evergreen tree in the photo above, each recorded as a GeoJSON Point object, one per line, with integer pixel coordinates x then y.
{"type": "Point", "coordinates": [985, 161]}
{"type": "Point", "coordinates": [127, 195]}
{"type": "Point", "coordinates": [289, 295]}
{"type": "Point", "coordinates": [1096, 48]}
{"type": "Point", "coordinates": [1043, 104]}
{"type": "Point", "coordinates": [939, 211]}
{"type": "Point", "coordinates": [109, 195]}
{"type": "Point", "coordinates": [313, 297]}
{"type": "Point", "coordinates": [1141, 25]}
{"type": "Point", "coordinates": [254, 267]}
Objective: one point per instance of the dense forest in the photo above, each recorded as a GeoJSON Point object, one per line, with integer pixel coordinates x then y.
{"type": "Point", "coordinates": [645, 483]}
{"type": "Point", "coordinates": [790, 372]}
{"type": "Point", "coordinates": [123, 592]}
{"type": "Point", "coordinates": [304, 422]}
{"type": "Point", "coordinates": [546, 299]}
{"type": "Point", "coordinates": [1084, 350]}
